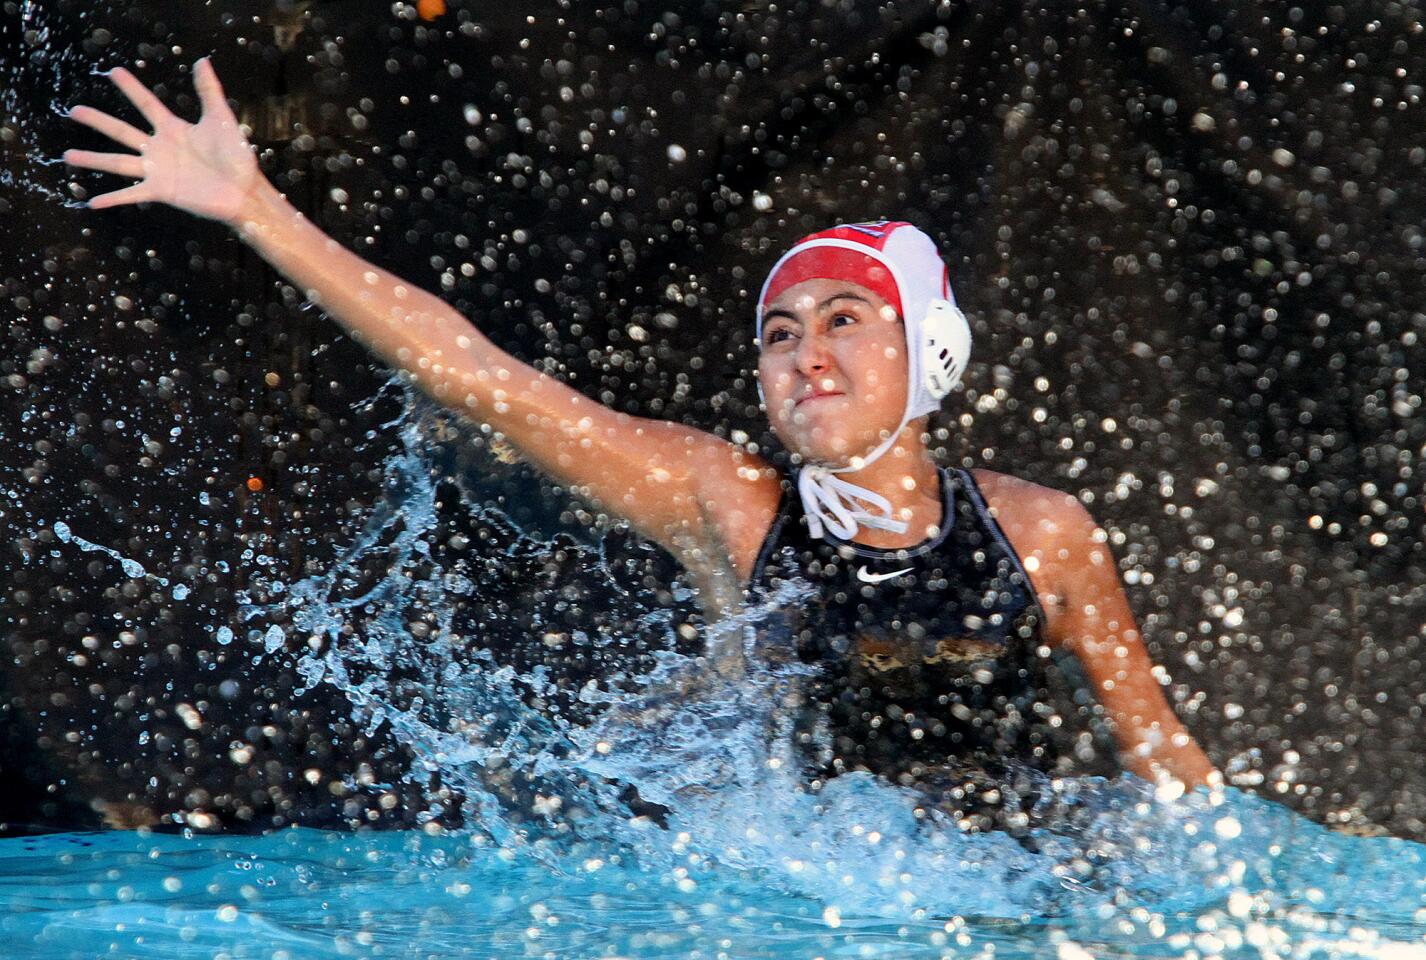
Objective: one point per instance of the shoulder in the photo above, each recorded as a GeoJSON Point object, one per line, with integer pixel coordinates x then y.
{"type": "Point", "coordinates": [1056, 538]}
{"type": "Point", "coordinates": [1037, 512]}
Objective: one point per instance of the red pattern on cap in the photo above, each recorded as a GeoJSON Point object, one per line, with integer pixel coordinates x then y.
{"type": "Point", "coordinates": [839, 263]}
{"type": "Point", "coordinates": [836, 263]}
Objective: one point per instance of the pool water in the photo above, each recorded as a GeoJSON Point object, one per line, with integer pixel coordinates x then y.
{"type": "Point", "coordinates": [1253, 880]}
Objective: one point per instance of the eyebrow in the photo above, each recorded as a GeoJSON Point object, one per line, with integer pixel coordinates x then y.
{"type": "Point", "coordinates": [821, 306]}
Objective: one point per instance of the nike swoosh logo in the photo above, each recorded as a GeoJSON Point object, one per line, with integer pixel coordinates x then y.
{"type": "Point", "coordinates": [865, 577]}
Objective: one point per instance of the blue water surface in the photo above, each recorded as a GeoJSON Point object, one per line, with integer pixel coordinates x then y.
{"type": "Point", "coordinates": [1258, 881]}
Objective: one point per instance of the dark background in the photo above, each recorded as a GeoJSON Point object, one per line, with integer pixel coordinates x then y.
{"type": "Point", "coordinates": [1189, 238]}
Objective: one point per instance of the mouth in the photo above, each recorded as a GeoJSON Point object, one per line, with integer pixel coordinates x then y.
{"type": "Point", "coordinates": [818, 396]}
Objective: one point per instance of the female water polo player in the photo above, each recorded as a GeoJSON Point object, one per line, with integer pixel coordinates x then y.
{"type": "Point", "coordinates": [940, 594]}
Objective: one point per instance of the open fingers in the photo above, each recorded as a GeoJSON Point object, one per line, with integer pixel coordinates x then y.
{"type": "Point", "coordinates": [210, 91]}
{"type": "Point", "coordinates": [124, 164]}
{"type": "Point", "coordinates": [149, 105]}
{"type": "Point", "coordinates": [112, 127]}
{"type": "Point", "coordinates": [138, 193]}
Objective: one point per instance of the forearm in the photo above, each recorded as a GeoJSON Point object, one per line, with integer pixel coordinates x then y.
{"type": "Point", "coordinates": [638, 469]}
{"type": "Point", "coordinates": [1150, 750]}
{"type": "Point", "coordinates": [1152, 740]}
{"type": "Point", "coordinates": [407, 327]}
{"type": "Point", "coordinates": [647, 472]}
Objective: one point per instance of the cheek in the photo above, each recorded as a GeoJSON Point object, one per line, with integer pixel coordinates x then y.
{"type": "Point", "coordinates": [773, 375]}
{"type": "Point", "coordinates": [881, 369]}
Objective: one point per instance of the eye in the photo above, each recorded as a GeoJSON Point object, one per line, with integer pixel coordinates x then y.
{"type": "Point", "coordinates": [850, 318]}
{"type": "Point", "coordinates": [776, 335]}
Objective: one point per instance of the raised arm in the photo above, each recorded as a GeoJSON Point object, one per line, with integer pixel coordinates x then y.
{"type": "Point", "coordinates": [653, 473]}
{"type": "Point", "coordinates": [685, 488]}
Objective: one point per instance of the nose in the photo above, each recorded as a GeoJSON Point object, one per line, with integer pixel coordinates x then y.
{"type": "Point", "coordinates": [811, 355]}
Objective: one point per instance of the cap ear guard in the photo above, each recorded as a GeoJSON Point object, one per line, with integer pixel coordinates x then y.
{"type": "Point", "coordinates": [945, 349]}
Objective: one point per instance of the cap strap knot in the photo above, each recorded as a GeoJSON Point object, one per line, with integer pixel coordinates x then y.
{"type": "Point", "coordinates": [837, 505]}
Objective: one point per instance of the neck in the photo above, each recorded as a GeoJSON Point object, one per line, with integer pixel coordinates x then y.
{"type": "Point", "coordinates": [906, 476]}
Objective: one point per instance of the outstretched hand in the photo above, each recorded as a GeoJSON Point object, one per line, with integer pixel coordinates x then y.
{"type": "Point", "coordinates": [207, 168]}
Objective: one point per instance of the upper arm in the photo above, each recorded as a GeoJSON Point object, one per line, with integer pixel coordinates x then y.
{"type": "Point", "coordinates": [1093, 619]}
{"type": "Point", "coordinates": [657, 475]}
{"type": "Point", "coordinates": [1093, 612]}
{"type": "Point", "coordinates": [694, 493]}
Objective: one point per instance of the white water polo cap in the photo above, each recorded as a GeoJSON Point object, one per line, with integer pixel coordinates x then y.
{"type": "Point", "coordinates": [901, 265]}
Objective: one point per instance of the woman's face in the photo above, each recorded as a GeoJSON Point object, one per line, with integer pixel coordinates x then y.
{"type": "Point", "coordinates": [833, 369]}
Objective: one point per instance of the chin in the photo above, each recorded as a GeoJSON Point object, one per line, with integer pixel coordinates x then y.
{"type": "Point", "coordinates": [835, 450]}
{"type": "Point", "coordinates": [822, 433]}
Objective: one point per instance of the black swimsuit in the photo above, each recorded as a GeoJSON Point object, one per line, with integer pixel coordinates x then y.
{"type": "Point", "coordinates": [933, 674]}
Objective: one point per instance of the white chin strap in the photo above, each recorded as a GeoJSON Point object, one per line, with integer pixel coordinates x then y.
{"type": "Point", "coordinates": [835, 505]}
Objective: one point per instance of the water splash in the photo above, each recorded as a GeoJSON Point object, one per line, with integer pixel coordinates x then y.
{"type": "Point", "coordinates": [546, 766]}
{"type": "Point", "coordinates": [45, 65]}
{"type": "Point", "coordinates": [131, 567]}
